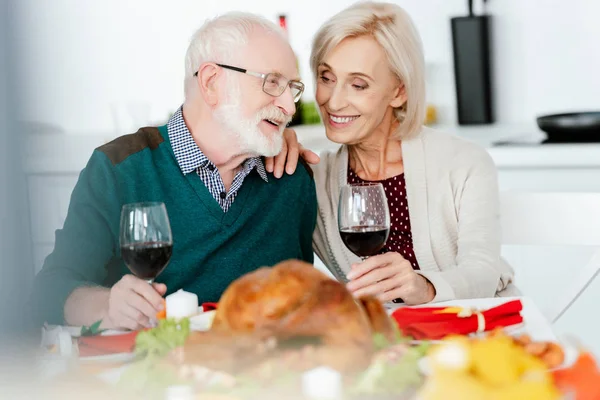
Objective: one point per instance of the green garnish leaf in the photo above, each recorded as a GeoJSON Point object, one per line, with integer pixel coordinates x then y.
{"type": "Point", "coordinates": [384, 377]}
{"type": "Point", "coordinates": [169, 334]}
{"type": "Point", "coordinates": [92, 330]}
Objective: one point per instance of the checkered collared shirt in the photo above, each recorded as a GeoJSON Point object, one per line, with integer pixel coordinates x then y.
{"type": "Point", "coordinates": [190, 158]}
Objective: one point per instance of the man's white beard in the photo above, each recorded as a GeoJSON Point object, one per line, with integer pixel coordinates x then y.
{"type": "Point", "coordinates": [245, 131]}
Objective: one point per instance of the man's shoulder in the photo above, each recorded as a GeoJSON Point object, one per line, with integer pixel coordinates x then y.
{"type": "Point", "coordinates": [122, 147]}
{"type": "Point", "coordinates": [303, 174]}
{"type": "Point", "coordinates": [306, 166]}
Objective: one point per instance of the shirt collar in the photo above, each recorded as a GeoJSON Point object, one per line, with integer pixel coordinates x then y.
{"type": "Point", "coordinates": [190, 157]}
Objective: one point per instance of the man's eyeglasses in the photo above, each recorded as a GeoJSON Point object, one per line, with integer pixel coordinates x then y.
{"type": "Point", "coordinates": [274, 84]}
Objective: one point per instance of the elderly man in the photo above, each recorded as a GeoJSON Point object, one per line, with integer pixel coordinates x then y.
{"type": "Point", "coordinates": [228, 215]}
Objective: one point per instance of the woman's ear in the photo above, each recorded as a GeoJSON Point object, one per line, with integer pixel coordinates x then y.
{"type": "Point", "coordinates": [207, 82]}
{"type": "Point", "coordinates": [400, 97]}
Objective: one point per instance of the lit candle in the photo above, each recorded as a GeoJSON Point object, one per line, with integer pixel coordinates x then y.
{"type": "Point", "coordinates": [322, 383]}
{"type": "Point", "coordinates": [181, 304]}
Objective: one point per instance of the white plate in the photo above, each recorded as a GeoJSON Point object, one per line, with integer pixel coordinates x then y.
{"type": "Point", "coordinates": [202, 321]}
{"type": "Point", "coordinates": [109, 358]}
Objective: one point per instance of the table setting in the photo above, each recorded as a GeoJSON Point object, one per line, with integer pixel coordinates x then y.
{"type": "Point", "coordinates": [291, 330]}
{"type": "Point", "coordinates": [114, 356]}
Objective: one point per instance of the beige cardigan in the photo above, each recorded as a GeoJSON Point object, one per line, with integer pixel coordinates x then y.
{"type": "Point", "coordinates": [452, 192]}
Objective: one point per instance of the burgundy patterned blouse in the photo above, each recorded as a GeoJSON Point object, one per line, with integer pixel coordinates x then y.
{"type": "Point", "coordinates": [400, 239]}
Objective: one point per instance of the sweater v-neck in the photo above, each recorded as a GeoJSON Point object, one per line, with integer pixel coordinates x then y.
{"type": "Point", "coordinates": [207, 200]}
{"type": "Point", "coordinates": [211, 205]}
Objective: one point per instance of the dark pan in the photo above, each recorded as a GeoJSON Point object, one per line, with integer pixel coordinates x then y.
{"type": "Point", "coordinates": [582, 127]}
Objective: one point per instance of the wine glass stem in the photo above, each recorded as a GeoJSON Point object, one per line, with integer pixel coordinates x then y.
{"type": "Point", "coordinates": [150, 281]}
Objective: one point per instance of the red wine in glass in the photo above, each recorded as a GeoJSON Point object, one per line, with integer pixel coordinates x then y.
{"type": "Point", "coordinates": [147, 260]}
{"type": "Point", "coordinates": [365, 241]}
{"type": "Point", "coordinates": [363, 218]}
{"type": "Point", "coordinates": [145, 238]}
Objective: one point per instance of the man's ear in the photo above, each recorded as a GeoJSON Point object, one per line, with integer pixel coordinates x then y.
{"type": "Point", "coordinates": [400, 96]}
{"type": "Point", "coordinates": [207, 82]}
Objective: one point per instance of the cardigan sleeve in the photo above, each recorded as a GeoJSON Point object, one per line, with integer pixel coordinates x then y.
{"type": "Point", "coordinates": [319, 238]}
{"type": "Point", "coordinates": [324, 246]}
{"type": "Point", "coordinates": [319, 243]}
{"type": "Point", "coordinates": [478, 270]}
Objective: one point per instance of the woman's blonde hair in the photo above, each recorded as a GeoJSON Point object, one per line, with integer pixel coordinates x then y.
{"type": "Point", "coordinates": [395, 32]}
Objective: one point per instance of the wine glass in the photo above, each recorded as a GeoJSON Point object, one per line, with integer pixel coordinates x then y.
{"type": "Point", "coordinates": [363, 218]}
{"type": "Point", "coordinates": [146, 239]}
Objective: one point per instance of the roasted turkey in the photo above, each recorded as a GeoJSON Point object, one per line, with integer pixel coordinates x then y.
{"type": "Point", "coordinates": [288, 304]}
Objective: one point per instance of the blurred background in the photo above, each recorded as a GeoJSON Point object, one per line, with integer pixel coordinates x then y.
{"type": "Point", "coordinates": [87, 67]}
{"type": "Point", "coordinates": [76, 74]}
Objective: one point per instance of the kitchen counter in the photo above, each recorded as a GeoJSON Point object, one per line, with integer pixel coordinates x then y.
{"type": "Point", "coordinates": [511, 146]}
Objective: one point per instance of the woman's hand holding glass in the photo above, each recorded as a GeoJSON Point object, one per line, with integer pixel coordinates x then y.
{"type": "Point", "coordinates": [389, 276]}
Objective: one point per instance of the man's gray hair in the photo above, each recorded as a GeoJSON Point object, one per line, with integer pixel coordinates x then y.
{"type": "Point", "coordinates": [220, 40]}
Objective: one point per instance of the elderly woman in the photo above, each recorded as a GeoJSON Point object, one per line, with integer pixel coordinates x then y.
{"type": "Point", "coordinates": [441, 190]}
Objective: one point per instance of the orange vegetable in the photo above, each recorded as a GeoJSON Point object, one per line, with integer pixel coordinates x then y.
{"type": "Point", "coordinates": [162, 314]}
{"type": "Point", "coordinates": [582, 379]}
{"type": "Point", "coordinates": [550, 353]}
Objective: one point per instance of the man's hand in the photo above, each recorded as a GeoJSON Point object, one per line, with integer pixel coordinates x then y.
{"type": "Point", "coordinates": [389, 276]}
{"type": "Point", "coordinates": [290, 152]}
{"type": "Point", "coordinates": [133, 303]}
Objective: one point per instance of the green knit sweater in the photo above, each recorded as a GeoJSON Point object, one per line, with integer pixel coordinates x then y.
{"type": "Point", "coordinates": [267, 223]}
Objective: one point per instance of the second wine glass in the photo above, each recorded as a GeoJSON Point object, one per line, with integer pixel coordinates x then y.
{"type": "Point", "coordinates": [363, 218]}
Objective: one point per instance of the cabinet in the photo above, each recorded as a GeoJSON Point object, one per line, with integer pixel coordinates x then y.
{"type": "Point", "coordinates": [52, 163]}
{"type": "Point", "coordinates": [49, 197]}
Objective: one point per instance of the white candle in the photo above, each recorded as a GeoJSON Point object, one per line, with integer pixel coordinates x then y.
{"type": "Point", "coordinates": [181, 304]}
{"type": "Point", "coordinates": [322, 383]}
{"type": "Point", "coordinates": [65, 344]}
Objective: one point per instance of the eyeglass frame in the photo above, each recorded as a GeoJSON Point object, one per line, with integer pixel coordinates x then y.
{"type": "Point", "coordinates": [299, 85]}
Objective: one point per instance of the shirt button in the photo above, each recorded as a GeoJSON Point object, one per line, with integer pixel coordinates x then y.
{"type": "Point", "coordinates": [223, 195]}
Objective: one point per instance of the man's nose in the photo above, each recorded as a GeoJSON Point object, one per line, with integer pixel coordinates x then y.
{"type": "Point", "coordinates": [286, 102]}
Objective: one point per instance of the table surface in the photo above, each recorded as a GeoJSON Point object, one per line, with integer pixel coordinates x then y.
{"type": "Point", "coordinates": [535, 324]}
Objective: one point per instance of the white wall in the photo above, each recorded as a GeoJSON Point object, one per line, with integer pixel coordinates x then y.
{"type": "Point", "coordinates": [82, 59]}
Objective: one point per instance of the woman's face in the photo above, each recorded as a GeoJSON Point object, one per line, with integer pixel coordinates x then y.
{"type": "Point", "coordinates": [356, 90]}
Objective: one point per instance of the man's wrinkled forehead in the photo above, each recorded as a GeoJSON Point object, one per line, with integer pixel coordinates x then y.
{"type": "Point", "coordinates": [268, 52]}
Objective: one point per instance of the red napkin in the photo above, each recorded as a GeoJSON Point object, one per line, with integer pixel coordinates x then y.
{"type": "Point", "coordinates": [102, 345]}
{"type": "Point", "coordinates": [209, 306]}
{"type": "Point", "coordinates": [431, 323]}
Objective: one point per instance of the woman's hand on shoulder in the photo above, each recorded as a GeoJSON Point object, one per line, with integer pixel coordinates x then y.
{"type": "Point", "coordinates": [287, 158]}
{"type": "Point", "coordinates": [389, 276]}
